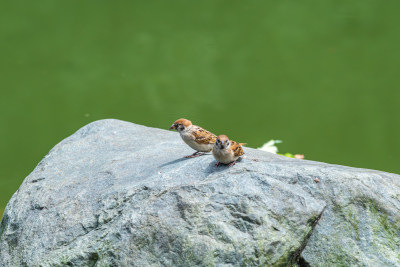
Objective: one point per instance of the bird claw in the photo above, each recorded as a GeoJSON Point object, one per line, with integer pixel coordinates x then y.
{"type": "Point", "coordinates": [232, 163]}
{"type": "Point", "coordinates": [194, 155]}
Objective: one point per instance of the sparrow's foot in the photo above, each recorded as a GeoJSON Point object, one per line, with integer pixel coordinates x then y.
{"type": "Point", "coordinates": [232, 163]}
{"type": "Point", "coordinates": [217, 164]}
{"type": "Point", "coordinates": [195, 154]}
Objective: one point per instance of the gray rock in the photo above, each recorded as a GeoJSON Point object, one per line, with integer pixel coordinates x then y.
{"type": "Point", "coordinates": [120, 194]}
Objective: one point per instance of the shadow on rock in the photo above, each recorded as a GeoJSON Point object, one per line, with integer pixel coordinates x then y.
{"type": "Point", "coordinates": [174, 161]}
{"type": "Point", "coordinates": [222, 167]}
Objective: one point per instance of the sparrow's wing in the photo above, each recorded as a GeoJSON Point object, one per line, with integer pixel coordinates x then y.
{"type": "Point", "coordinates": [237, 149]}
{"type": "Point", "coordinates": [205, 137]}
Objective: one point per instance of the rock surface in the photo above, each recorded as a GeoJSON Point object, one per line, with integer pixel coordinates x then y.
{"type": "Point", "coordinates": [120, 194]}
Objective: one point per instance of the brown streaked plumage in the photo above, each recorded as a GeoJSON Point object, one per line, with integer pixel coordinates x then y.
{"type": "Point", "coordinates": [237, 149]}
{"type": "Point", "coordinates": [194, 136]}
{"type": "Point", "coordinates": [204, 137]}
{"type": "Point", "coordinates": [227, 151]}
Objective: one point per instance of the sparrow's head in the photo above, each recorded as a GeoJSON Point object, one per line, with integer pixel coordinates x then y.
{"type": "Point", "coordinates": [180, 125]}
{"type": "Point", "coordinates": [222, 142]}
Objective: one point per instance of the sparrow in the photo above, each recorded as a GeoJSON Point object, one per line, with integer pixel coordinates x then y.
{"type": "Point", "coordinates": [227, 151]}
{"type": "Point", "coordinates": [194, 136]}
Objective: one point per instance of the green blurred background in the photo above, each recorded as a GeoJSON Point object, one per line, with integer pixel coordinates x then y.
{"type": "Point", "coordinates": [323, 76]}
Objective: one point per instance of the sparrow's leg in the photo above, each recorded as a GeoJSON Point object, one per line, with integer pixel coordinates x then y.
{"type": "Point", "coordinates": [232, 163]}
{"type": "Point", "coordinates": [217, 164]}
{"type": "Point", "coordinates": [196, 154]}
{"type": "Point", "coordinates": [193, 155]}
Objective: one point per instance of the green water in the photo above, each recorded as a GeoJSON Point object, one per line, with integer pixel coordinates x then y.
{"type": "Point", "coordinates": [323, 76]}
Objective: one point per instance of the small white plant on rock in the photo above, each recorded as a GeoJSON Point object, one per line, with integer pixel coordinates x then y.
{"type": "Point", "coordinates": [271, 147]}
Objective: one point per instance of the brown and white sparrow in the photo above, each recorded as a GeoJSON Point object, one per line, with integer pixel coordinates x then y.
{"type": "Point", "coordinates": [227, 151]}
{"type": "Point", "coordinates": [194, 136]}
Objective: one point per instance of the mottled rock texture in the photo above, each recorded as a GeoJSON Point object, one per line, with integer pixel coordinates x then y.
{"type": "Point", "coordinates": [119, 194]}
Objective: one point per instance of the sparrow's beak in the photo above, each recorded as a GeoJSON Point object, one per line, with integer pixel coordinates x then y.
{"type": "Point", "coordinates": [172, 127]}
